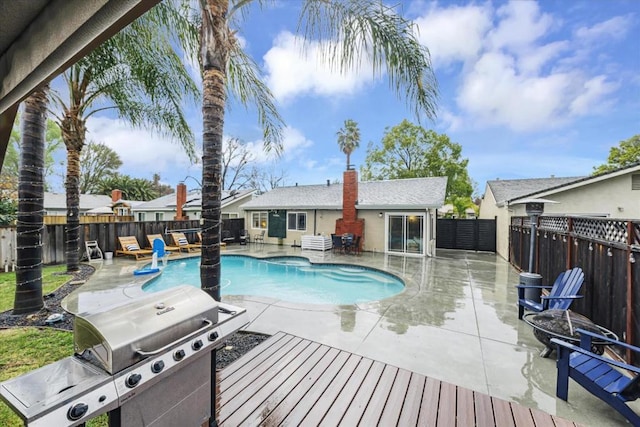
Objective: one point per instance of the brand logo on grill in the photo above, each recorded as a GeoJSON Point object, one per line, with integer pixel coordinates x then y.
{"type": "Point", "coordinates": [166, 310]}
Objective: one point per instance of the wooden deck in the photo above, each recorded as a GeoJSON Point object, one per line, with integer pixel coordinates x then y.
{"type": "Point", "coordinates": [291, 381]}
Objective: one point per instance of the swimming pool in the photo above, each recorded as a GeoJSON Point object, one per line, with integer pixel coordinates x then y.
{"type": "Point", "coordinates": [291, 279]}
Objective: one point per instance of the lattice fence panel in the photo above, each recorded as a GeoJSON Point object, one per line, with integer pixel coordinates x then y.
{"type": "Point", "coordinates": [636, 234]}
{"type": "Point", "coordinates": [554, 223]}
{"type": "Point", "coordinates": [607, 230]}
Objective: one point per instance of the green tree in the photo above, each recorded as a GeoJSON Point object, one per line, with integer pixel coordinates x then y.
{"type": "Point", "coordinates": [410, 151]}
{"type": "Point", "coordinates": [349, 139]}
{"type": "Point", "coordinates": [97, 161]}
{"type": "Point", "coordinates": [348, 31]}
{"type": "Point", "coordinates": [138, 189]}
{"type": "Point", "coordinates": [28, 297]}
{"type": "Point", "coordinates": [8, 210]}
{"type": "Point", "coordinates": [141, 77]}
{"type": "Point", "coordinates": [161, 189]}
{"type": "Point", "coordinates": [11, 165]}
{"type": "Point", "coordinates": [460, 206]}
{"type": "Point", "coordinates": [625, 154]}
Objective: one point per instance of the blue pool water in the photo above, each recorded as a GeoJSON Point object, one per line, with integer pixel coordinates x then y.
{"type": "Point", "coordinates": [287, 278]}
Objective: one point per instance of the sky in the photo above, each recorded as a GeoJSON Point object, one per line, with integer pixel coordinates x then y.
{"type": "Point", "coordinates": [528, 89]}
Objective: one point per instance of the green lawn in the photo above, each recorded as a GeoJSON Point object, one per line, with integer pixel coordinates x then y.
{"type": "Point", "coordinates": [51, 280]}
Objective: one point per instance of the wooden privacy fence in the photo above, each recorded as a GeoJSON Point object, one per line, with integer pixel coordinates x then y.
{"type": "Point", "coordinates": [608, 250]}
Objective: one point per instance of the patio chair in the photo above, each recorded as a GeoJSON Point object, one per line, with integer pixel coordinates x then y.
{"type": "Point", "coordinates": [181, 241]}
{"type": "Point", "coordinates": [614, 382]}
{"type": "Point", "coordinates": [259, 238]}
{"type": "Point", "coordinates": [227, 237]}
{"type": "Point", "coordinates": [152, 237]}
{"type": "Point", "coordinates": [564, 290]}
{"type": "Point", "coordinates": [244, 237]}
{"type": "Point", "coordinates": [129, 246]}
{"type": "Point", "coordinates": [337, 243]}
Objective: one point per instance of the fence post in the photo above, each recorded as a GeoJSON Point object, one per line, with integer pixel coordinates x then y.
{"type": "Point", "coordinates": [630, 241]}
{"type": "Point", "coordinates": [569, 242]}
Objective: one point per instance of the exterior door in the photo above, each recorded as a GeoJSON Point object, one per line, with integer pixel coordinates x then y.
{"type": "Point", "coordinates": [405, 233]}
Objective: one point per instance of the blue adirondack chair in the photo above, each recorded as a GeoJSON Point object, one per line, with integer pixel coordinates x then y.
{"type": "Point", "coordinates": [600, 376]}
{"type": "Point", "coordinates": [564, 290]}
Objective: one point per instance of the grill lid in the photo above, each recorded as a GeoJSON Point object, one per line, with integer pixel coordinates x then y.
{"type": "Point", "coordinates": [121, 336]}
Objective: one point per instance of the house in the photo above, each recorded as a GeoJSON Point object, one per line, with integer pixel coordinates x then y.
{"type": "Point", "coordinates": [187, 204]}
{"type": "Point", "coordinates": [55, 204]}
{"type": "Point", "coordinates": [615, 194]}
{"type": "Point", "coordinates": [395, 216]}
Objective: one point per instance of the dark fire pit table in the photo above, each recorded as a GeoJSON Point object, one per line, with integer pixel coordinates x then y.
{"type": "Point", "coordinates": [562, 324]}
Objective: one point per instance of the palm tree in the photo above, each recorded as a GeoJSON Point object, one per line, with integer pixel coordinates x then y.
{"type": "Point", "coordinates": [28, 296]}
{"type": "Point", "coordinates": [349, 29]}
{"type": "Point", "coordinates": [349, 138]}
{"type": "Point", "coordinates": [138, 74]}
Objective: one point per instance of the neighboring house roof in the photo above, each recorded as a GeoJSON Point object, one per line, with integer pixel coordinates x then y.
{"type": "Point", "coordinates": [510, 189]}
{"type": "Point", "coordinates": [392, 194]}
{"type": "Point", "coordinates": [227, 197]}
{"type": "Point", "coordinates": [166, 202]}
{"type": "Point", "coordinates": [58, 201]}
{"type": "Point", "coordinates": [587, 180]}
{"type": "Point", "coordinates": [194, 200]}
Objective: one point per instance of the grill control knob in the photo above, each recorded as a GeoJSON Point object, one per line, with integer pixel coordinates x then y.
{"type": "Point", "coordinates": [179, 354]}
{"type": "Point", "coordinates": [197, 345]}
{"type": "Point", "coordinates": [133, 380]}
{"type": "Point", "coordinates": [157, 366]}
{"type": "Point", "coordinates": [77, 411]}
{"type": "Point", "coordinates": [213, 336]}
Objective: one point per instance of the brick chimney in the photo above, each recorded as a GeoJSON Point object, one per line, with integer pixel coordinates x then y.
{"type": "Point", "coordinates": [181, 199]}
{"type": "Point", "coordinates": [349, 223]}
{"type": "Point", "coordinates": [116, 195]}
{"type": "Point", "coordinates": [349, 195]}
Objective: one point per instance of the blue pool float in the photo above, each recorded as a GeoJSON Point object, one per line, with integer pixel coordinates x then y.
{"type": "Point", "coordinates": [145, 271]}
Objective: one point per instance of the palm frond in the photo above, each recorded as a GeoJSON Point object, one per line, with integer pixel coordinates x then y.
{"type": "Point", "coordinates": [351, 30]}
{"type": "Point", "coordinates": [246, 86]}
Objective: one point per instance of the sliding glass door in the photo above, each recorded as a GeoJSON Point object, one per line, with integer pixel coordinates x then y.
{"type": "Point", "coordinates": [405, 233]}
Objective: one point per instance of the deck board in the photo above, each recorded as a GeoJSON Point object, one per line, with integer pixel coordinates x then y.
{"type": "Point", "coordinates": [292, 381]}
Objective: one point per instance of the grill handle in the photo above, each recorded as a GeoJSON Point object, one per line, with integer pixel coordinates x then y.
{"type": "Point", "coordinates": [172, 344]}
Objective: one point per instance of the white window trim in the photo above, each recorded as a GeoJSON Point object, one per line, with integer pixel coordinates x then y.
{"type": "Point", "coordinates": [260, 213]}
{"type": "Point", "coordinates": [296, 222]}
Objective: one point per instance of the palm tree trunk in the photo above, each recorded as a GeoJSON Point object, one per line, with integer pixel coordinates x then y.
{"type": "Point", "coordinates": [28, 297]}
{"type": "Point", "coordinates": [72, 189]}
{"type": "Point", "coordinates": [214, 61]}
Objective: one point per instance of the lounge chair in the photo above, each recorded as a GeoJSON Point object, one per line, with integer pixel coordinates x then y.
{"type": "Point", "coordinates": [564, 290]}
{"type": "Point", "coordinates": [259, 238]}
{"type": "Point", "coordinates": [227, 237]}
{"type": "Point", "coordinates": [244, 237]}
{"type": "Point", "coordinates": [614, 382]}
{"type": "Point", "coordinates": [180, 240]}
{"type": "Point", "coordinates": [152, 237]}
{"type": "Point", "coordinates": [223, 245]}
{"type": "Point", "coordinates": [129, 246]}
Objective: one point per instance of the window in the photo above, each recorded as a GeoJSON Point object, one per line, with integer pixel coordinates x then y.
{"type": "Point", "coordinates": [259, 220]}
{"type": "Point", "coordinates": [635, 182]}
{"type": "Point", "coordinates": [140, 216]}
{"type": "Point", "coordinates": [297, 221]}
{"type": "Point", "coordinates": [159, 216]}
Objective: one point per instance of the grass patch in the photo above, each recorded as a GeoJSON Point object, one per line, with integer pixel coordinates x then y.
{"type": "Point", "coordinates": [51, 280]}
{"type": "Point", "coordinates": [25, 349]}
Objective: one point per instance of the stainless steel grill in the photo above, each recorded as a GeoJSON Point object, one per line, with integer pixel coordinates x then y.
{"type": "Point", "coordinates": [146, 362]}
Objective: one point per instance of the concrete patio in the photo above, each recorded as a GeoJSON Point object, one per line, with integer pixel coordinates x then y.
{"type": "Point", "coordinates": [456, 322]}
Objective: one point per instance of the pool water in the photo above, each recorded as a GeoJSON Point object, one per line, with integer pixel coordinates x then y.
{"type": "Point", "coordinates": [287, 278]}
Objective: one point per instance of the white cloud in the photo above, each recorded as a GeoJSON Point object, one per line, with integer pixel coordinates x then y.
{"type": "Point", "coordinates": [142, 153]}
{"type": "Point", "coordinates": [615, 28]}
{"type": "Point", "coordinates": [291, 73]}
{"type": "Point", "coordinates": [294, 144]}
{"type": "Point", "coordinates": [520, 24]}
{"type": "Point", "coordinates": [525, 73]}
{"type": "Point", "coordinates": [455, 33]}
